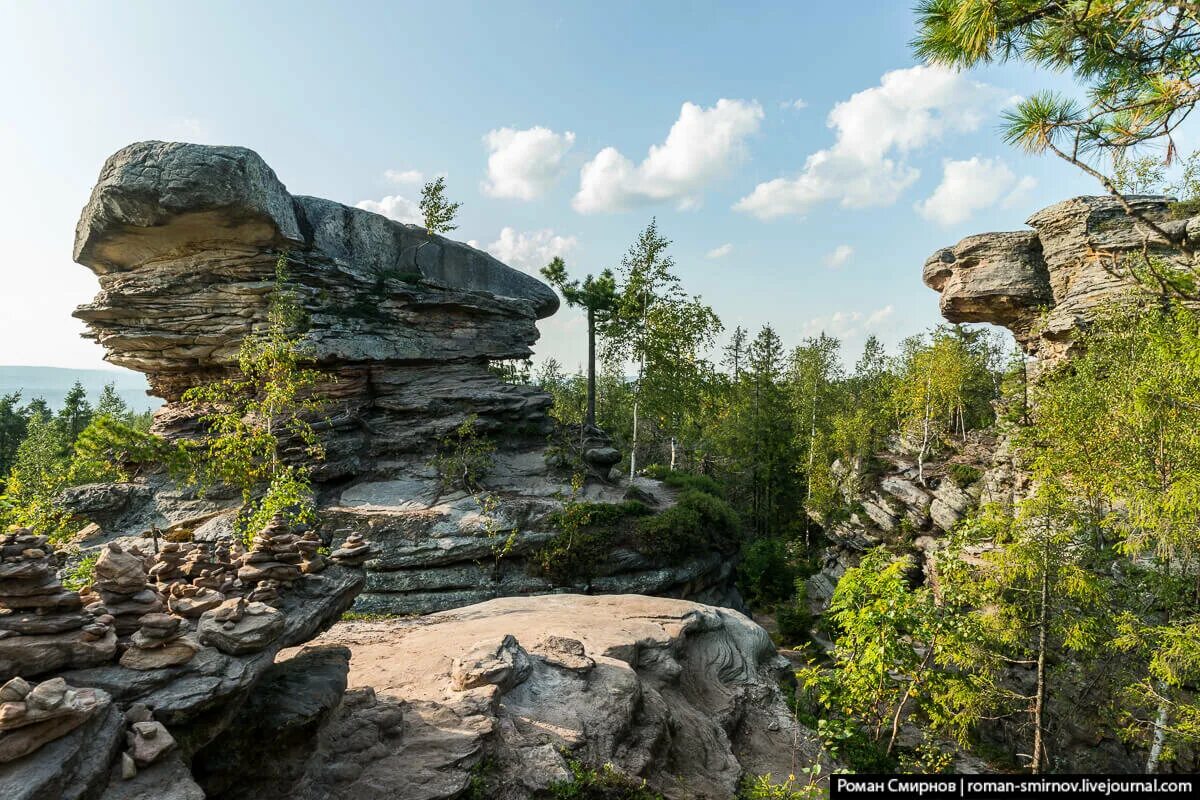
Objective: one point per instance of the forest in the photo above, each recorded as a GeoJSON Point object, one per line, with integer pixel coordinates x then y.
{"type": "Point", "coordinates": [1059, 609]}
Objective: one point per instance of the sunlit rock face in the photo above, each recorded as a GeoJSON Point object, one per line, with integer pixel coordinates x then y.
{"type": "Point", "coordinates": [184, 240]}
{"type": "Point", "coordinates": [1046, 283]}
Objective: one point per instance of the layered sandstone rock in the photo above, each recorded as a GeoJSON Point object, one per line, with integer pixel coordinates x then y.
{"type": "Point", "coordinates": [1046, 283]}
{"type": "Point", "coordinates": [507, 692]}
{"type": "Point", "coordinates": [184, 240]}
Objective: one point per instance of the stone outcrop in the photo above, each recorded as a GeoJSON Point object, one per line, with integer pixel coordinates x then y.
{"type": "Point", "coordinates": [184, 241]}
{"type": "Point", "coordinates": [889, 505]}
{"type": "Point", "coordinates": [507, 692]}
{"type": "Point", "coordinates": [1045, 283]}
{"type": "Point", "coordinates": [90, 674]}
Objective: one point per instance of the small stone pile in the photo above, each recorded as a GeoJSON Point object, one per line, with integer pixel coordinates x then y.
{"type": "Point", "coordinates": [354, 552]}
{"type": "Point", "coordinates": [238, 627]}
{"type": "Point", "coordinates": [31, 716]}
{"type": "Point", "coordinates": [275, 556]}
{"type": "Point", "coordinates": [147, 741]}
{"type": "Point", "coordinates": [190, 601]}
{"type": "Point", "coordinates": [122, 588]}
{"type": "Point", "coordinates": [161, 641]}
{"type": "Point", "coordinates": [309, 545]}
{"type": "Point", "coordinates": [43, 626]}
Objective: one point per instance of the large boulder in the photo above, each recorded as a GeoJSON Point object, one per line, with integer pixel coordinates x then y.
{"type": "Point", "coordinates": [509, 692]}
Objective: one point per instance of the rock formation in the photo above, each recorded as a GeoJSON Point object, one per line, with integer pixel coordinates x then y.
{"type": "Point", "coordinates": [82, 681]}
{"type": "Point", "coordinates": [1044, 284]}
{"type": "Point", "coordinates": [184, 240]}
{"type": "Point", "coordinates": [506, 692]}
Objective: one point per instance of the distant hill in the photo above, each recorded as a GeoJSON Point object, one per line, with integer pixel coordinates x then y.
{"type": "Point", "coordinates": [52, 384]}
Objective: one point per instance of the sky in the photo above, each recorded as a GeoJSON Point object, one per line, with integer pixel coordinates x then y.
{"type": "Point", "coordinates": [800, 159]}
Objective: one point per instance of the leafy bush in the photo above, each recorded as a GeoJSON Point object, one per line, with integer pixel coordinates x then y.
{"type": "Point", "coordinates": [464, 457]}
{"type": "Point", "coordinates": [605, 783]}
{"type": "Point", "coordinates": [83, 573]}
{"type": "Point", "coordinates": [685, 480]}
{"type": "Point", "coordinates": [761, 787]}
{"type": "Point", "coordinates": [589, 532]}
{"type": "Point", "coordinates": [698, 521]}
{"type": "Point", "coordinates": [963, 475]}
{"type": "Point", "coordinates": [794, 619]}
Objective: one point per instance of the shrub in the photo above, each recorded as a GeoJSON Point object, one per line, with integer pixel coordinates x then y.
{"type": "Point", "coordinates": [761, 787]}
{"type": "Point", "coordinates": [464, 457]}
{"type": "Point", "coordinates": [605, 783]}
{"type": "Point", "coordinates": [963, 475]}
{"type": "Point", "coordinates": [83, 573]}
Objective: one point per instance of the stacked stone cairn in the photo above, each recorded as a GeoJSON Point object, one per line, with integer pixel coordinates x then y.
{"type": "Point", "coordinates": [122, 588]}
{"type": "Point", "coordinates": [147, 740]}
{"type": "Point", "coordinates": [354, 552]}
{"type": "Point", "coordinates": [161, 641]}
{"type": "Point", "coordinates": [43, 626]}
{"type": "Point", "coordinates": [31, 716]}
{"type": "Point", "coordinates": [274, 562]}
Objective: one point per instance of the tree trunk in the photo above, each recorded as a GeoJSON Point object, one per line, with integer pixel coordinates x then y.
{"type": "Point", "coordinates": [1039, 703]}
{"type": "Point", "coordinates": [590, 419]}
{"type": "Point", "coordinates": [1160, 735]}
{"type": "Point", "coordinates": [672, 453]}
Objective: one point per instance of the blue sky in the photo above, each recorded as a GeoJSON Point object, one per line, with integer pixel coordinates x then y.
{"type": "Point", "coordinates": [567, 124]}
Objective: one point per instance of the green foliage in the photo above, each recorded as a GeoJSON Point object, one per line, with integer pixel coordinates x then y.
{"type": "Point", "coordinates": [767, 573]}
{"type": "Point", "coordinates": [589, 532]}
{"type": "Point", "coordinates": [464, 457]}
{"type": "Point", "coordinates": [899, 651]}
{"type": "Point", "coordinates": [251, 418]}
{"type": "Point", "coordinates": [439, 212]}
{"type": "Point", "coordinates": [83, 573]}
{"type": "Point", "coordinates": [793, 619]}
{"type": "Point", "coordinates": [655, 325]}
{"type": "Point", "coordinates": [685, 480]}
{"type": "Point", "coordinates": [763, 787]}
{"type": "Point", "coordinates": [604, 783]}
{"type": "Point", "coordinates": [963, 475]}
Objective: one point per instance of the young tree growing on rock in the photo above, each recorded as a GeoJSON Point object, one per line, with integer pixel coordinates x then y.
{"type": "Point", "coordinates": [253, 417]}
{"type": "Point", "coordinates": [438, 211]}
{"type": "Point", "coordinates": [598, 296]}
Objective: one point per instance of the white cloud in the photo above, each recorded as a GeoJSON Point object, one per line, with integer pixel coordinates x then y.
{"type": "Point", "coordinates": [840, 255]}
{"type": "Point", "coordinates": [720, 252]}
{"type": "Point", "coordinates": [524, 164]}
{"type": "Point", "coordinates": [874, 131]}
{"type": "Point", "coordinates": [407, 176]}
{"type": "Point", "coordinates": [849, 325]}
{"type": "Point", "coordinates": [970, 186]}
{"type": "Point", "coordinates": [531, 251]}
{"type": "Point", "coordinates": [702, 145]}
{"type": "Point", "coordinates": [793, 105]}
{"type": "Point", "coordinates": [394, 207]}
